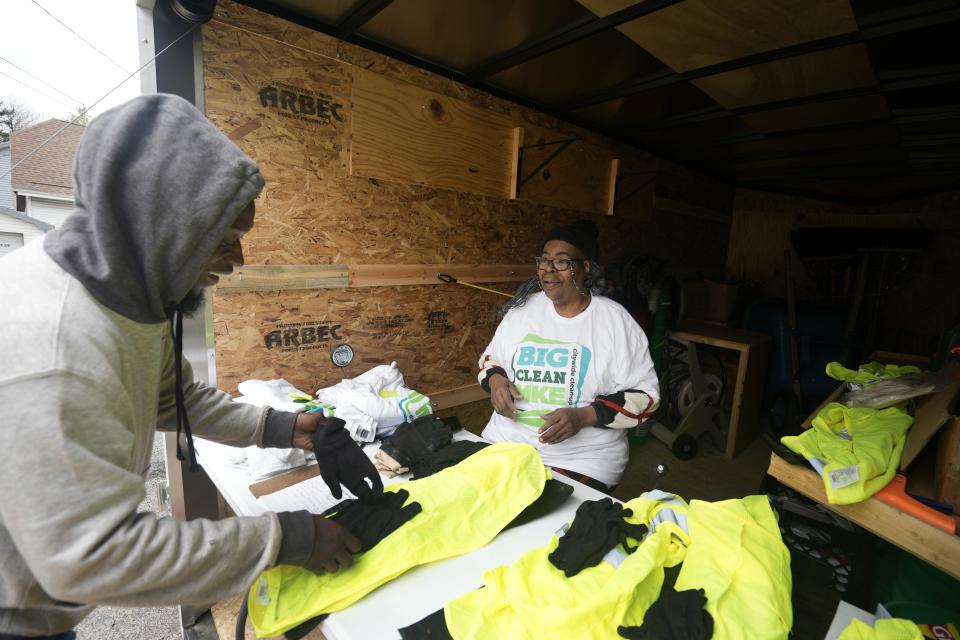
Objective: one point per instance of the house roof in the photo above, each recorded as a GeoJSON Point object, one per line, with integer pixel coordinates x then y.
{"type": "Point", "coordinates": [40, 224]}
{"type": "Point", "coordinates": [49, 170]}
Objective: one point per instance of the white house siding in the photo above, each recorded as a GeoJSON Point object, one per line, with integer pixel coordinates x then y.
{"type": "Point", "coordinates": [7, 197]}
{"type": "Point", "coordinates": [12, 225]}
{"type": "Point", "coordinates": [48, 210]}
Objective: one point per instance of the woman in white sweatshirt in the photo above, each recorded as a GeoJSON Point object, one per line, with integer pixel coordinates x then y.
{"type": "Point", "coordinates": [569, 370]}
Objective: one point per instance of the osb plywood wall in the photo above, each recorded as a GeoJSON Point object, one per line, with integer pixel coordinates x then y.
{"type": "Point", "coordinates": [285, 94]}
{"type": "Point", "coordinates": [912, 315]}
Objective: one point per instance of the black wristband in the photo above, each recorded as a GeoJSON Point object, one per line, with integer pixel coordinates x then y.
{"type": "Point", "coordinates": [278, 429]}
{"type": "Point", "coordinates": [605, 414]}
{"type": "Point", "coordinates": [492, 371]}
{"type": "Point", "coordinates": [296, 537]}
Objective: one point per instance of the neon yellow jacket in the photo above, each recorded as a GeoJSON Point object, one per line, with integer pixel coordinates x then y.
{"type": "Point", "coordinates": [745, 573]}
{"type": "Point", "coordinates": [856, 449]}
{"type": "Point", "coordinates": [883, 629]}
{"type": "Point", "coordinates": [869, 373]}
{"type": "Point", "coordinates": [464, 508]}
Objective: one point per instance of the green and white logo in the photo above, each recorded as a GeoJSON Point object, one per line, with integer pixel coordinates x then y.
{"type": "Point", "coordinates": [548, 373]}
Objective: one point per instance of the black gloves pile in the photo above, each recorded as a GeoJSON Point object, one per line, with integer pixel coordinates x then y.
{"type": "Point", "coordinates": [412, 441]}
{"type": "Point", "coordinates": [372, 520]}
{"type": "Point", "coordinates": [598, 527]}
{"type": "Point", "coordinates": [342, 461]}
{"type": "Point", "coordinates": [447, 456]}
{"type": "Point", "coordinates": [676, 615]}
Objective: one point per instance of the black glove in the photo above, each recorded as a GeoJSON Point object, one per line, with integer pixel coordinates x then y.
{"type": "Point", "coordinates": [554, 494]}
{"type": "Point", "coordinates": [371, 522]}
{"type": "Point", "coordinates": [597, 528]}
{"type": "Point", "coordinates": [676, 615]}
{"type": "Point", "coordinates": [453, 453]}
{"type": "Point", "coordinates": [412, 441]}
{"type": "Point", "coordinates": [342, 461]}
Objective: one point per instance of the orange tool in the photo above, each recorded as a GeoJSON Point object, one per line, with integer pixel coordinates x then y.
{"type": "Point", "coordinates": [895, 495]}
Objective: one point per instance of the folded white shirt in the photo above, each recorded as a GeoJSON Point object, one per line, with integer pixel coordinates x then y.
{"type": "Point", "coordinates": [375, 402]}
{"type": "Point", "coordinates": [262, 463]}
{"type": "Point", "coordinates": [271, 393]}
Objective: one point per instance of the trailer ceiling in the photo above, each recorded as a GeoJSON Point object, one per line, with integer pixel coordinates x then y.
{"type": "Point", "coordinates": [850, 100]}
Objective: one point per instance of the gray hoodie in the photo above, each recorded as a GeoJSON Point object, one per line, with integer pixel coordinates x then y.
{"type": "Point", "coordinates": [88, 376]}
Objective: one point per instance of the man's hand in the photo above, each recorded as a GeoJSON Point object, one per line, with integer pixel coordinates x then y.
{"type": "Point", "coordinates": [560, 424]}
{"type": "Point", "coordinates": [503, 395]}
{"type": "Point", "coordinates": [333, 547]}
{"type": "Point", "coordinates": [304, 428]}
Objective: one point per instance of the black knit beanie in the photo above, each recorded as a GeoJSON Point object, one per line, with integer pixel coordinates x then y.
{"type": "Point", "coordinates": [582, 234]}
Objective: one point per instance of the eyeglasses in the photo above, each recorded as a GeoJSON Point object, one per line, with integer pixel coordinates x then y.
{"type": "Point", "coordinates": [559, 264]}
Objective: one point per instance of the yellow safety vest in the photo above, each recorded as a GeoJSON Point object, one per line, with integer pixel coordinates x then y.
{"type": "Point", "coordinates": [883, 629]}
{"type": "Point", "coordinates": [464, 508]}
{"type": "Point", "coordinates": [738, 558]}
{"type": "Point", "coordinates": [869, 373]}
{"type": "Point", "coordinates": [858, 449]}
{"type": "Point", "coordinates": [746, 577]}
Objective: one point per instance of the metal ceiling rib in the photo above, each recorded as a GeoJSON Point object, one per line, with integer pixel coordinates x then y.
{"type": "Point", "coordinates": [583, 28]}
{"type": "Point", "coordinates": [640, 85]}
{"type": "Point", "coordinates": [538, 60]}
{"type": "Point", "coordinates": [359, 15]}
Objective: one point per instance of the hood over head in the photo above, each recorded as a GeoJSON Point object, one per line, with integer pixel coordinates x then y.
{"type": "Point", "coordinates": [156, 185]}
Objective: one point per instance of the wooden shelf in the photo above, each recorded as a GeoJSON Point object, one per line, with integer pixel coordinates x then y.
{"type": "Point", "coordinates": [753, 350]}
{"type": "Point", "coordinates": [933, 545]}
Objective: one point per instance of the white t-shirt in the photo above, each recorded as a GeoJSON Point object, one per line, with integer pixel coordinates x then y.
{"type": "Point", "coordinates": [560, 362]}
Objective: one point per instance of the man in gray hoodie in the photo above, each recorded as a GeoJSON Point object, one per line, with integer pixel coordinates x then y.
{"type": "Point", "coordinates": [90, 337]}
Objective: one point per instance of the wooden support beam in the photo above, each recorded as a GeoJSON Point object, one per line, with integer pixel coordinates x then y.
{"type": "Point", "coordinates": [514, 177]}
{"type": "Point", "coordinates": [405, 133]}
{"type": "Point", "coordinates": [561, 171]}
{"type": "Point", "coordinates": [338, 276]}
{"type": "Point", "coordinates": [448, 398]}
{"type": "Point", "coordinates": [384, 275]}
{"type": "Point", "coordinates": [612, 186]}
{"type": "Point", "coordinates": [283, 277]}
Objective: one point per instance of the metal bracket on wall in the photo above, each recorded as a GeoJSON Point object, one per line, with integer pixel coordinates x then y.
{"type": "Point", "coordinates": [546, 161]}
{"type": "Point", "coordinates": [640, 187]}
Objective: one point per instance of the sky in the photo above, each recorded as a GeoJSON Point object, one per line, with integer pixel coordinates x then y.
{"type": "Point", "coordinates": [58, 70]}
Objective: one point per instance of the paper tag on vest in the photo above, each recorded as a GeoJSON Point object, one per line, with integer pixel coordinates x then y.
{"type": "Point", "coordinates": [840, 478]}
{"type": "Point", "coordinates": [263, 591]}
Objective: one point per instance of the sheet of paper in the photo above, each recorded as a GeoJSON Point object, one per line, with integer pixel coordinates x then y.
{"type": "Point", "coordinates": [845, 614]}
{"type": "Point", "coordinates": [312, 495]}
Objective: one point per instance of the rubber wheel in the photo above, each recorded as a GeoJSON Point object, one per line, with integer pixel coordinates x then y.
{"type": "Point", "coordinates": [684, 447]}
{"type": "Point", "coordinates": [686, 397]}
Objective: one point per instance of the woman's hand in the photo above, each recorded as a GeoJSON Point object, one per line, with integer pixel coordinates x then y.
{"type": "Point", "coordinates": [503, 395]}
{"type": "Point", "coordinates": [560, 424]}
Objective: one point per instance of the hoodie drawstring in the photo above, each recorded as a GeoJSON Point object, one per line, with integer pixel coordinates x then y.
{"type": "Point", "coordinates": [183, 421]}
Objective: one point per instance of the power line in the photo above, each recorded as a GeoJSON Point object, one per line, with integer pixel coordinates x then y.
{"type": "Point", "coordinates": [80, 36]}
{"type": "Point", "coordinates": [40, 80]}
{"type": "Point", "coordinates": [99, 100]}
{"type": "Point", "coordinates": [46, 95]}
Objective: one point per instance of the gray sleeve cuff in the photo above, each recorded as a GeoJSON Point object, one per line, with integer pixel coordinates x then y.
{"type": "Point", "coordinates": [296, 541]}
{"type": "Point", "coordinates": [278, 429]}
